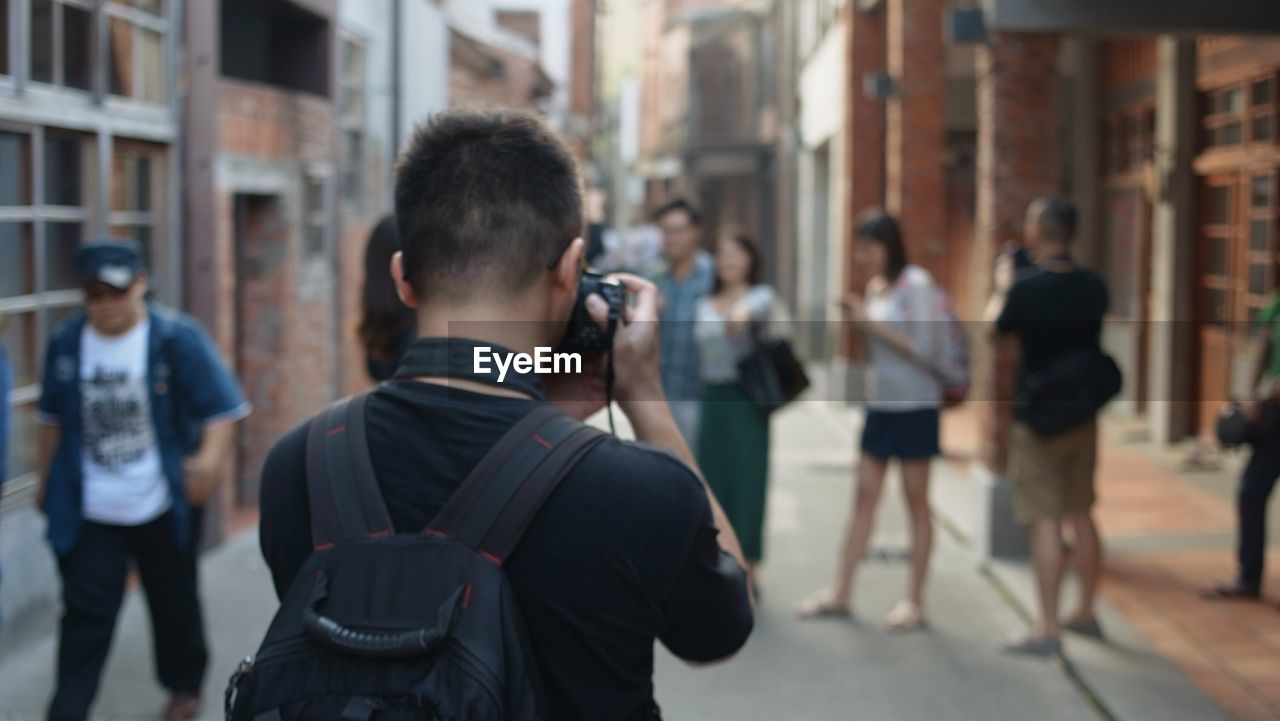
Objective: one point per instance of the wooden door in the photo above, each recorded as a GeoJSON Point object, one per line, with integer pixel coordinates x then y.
{"type": "Point", "coordinates": [1238, 246]}
{"type": "Point", "coordinates": [1217, 289]}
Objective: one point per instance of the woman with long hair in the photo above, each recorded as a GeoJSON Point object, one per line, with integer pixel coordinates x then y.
{"type": "Point", "coordinates": [733, 440]}
{"type": "Point", "coordinates": [387, 326]}
{"type": "Point", "coordinates": [897, 317]}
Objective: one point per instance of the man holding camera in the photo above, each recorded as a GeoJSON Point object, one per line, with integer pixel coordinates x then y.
{"type": "Point", "coordinates": [631, 546]}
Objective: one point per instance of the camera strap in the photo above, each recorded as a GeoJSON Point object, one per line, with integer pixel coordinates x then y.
{"type": "Point", "coordinates": [456, 358]}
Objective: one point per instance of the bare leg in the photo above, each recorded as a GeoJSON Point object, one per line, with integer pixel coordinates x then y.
{"type": "Point", "coordinates": [1087, 556]}
{"type": "Point", "coordinates": [915, 486]}
{"type": "Point", "coordinates": [1046, 559]}
{"type": "Point", "coordinates": [871, 472]}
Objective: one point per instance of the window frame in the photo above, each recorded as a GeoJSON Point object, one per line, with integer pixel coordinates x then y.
{"type": "Point", "coordinates": [44, 307]}
{"type": "Point", "coordinates": [1213, 119]}
{"type": "Point", "coordinates": [139, 21]}
{"type": "Point", "coordinates": [353, 123]}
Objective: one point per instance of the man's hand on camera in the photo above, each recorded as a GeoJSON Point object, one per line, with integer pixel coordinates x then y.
{"type": "Point", "coordinates": [636, 357]}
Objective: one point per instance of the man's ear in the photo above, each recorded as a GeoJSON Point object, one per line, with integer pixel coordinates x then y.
{"type": "Point", "coordinates": [568, 270]}
{"type": "Point", "coordinates": [404, 288]}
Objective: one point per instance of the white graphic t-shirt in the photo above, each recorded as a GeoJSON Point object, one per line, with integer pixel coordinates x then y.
{"type": "Point", "coordinates": [124, 482]}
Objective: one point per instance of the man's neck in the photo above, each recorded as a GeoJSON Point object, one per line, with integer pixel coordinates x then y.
{"type": "Point", "coordinates": [511, 326]}
{"type": "Point", "coordinates": [683, 267]}
{"type": "Point", "coordinates": [125, 330]}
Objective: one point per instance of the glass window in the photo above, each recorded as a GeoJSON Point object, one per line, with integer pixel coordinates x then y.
{"type": "Point", "coordinates": [17, 267]}
{"type": "Point", "coordinates": [1232, 100]}
{"type": "Point", "coordinates": [1216, 312]}
{"type": "Point", "coordinates": [149, 6]}
{"type": "Point", "coordinates": [42, 40]}
{"type": "Point", "coordinates": [14, 176]}
{"type": "Point", "coordinates": [1262, 92]}
{"type": "Point", "coordinates": [1260, 236]}
{"type": "Point", "coordinates": [120, 58]}
{"type": "Point", "coordinates": [151, 59]}
{"type": "Point", "coordinates": [61, 242]}
{"type": "Point", "coordinates": [353, 63]}
{"type": "Point", "coordinates": [313, 241]}
{"type": "Point", "coordinates": [1262, 191]}
{"type": "Point", "coordinates": [353, 167]}
{"type": "Point", "coordinates": [1218, 256]}
{"type": "Point", "coordinates": [77, 31]}
{"type": "Point", "coordinates": [1220, 205]}
{"type": "Point", "coordinates": [22, 440]}
{"type": "Point", "coordinates": [63, 171]}
{"type": "Point", "coordinates": [1258, 280]}
{"type": "Point", "coordinates": [130, 182]}
{"type": "Point", "coordinates": [19, 332]}
{"type": "Point", "coordinates": [1261, 129]}
{"type": "Point", "coordinates": [136, 65]}
{"type": "Point", "coordinates": [4, 38]}
{"type": "Point", "coordinates": [1230, 134]}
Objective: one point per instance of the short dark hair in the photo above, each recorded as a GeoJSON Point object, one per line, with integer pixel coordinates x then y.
{"type": "Point", "coordinates": [483, 199]}
{"type": "Point", "coordinates": [875, 224]}
{"type": "Point", "coordinates": [1056, 216]}
{"type": "Point", "coordinates": [679, 205]}
{"type": "Point", "coordinates": [755, 272]}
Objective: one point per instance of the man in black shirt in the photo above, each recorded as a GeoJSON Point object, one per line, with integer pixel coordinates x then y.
{"type": "Point", "coordinates": [631, 547]}
{"type": "Point", "coordinates": [1055, 310]}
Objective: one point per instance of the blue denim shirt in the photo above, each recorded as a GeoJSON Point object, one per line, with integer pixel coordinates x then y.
{"type": "Point", "coordinates": [190, 387]}
{"type": "Point", "coordinates": [679, 311]}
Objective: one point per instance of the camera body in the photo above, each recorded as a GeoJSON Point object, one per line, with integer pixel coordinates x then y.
{"type": "Point", "coordinates": [583, 335]}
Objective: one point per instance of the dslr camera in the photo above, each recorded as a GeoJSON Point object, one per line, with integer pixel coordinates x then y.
{"type": "Point", "coordinates": [583, 334]}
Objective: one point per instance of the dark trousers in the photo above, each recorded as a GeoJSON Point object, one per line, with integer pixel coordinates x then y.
{"type": "Point", "coordinates": [93, 585]}
{"type": "Point", "coordinates": [1255, 489]}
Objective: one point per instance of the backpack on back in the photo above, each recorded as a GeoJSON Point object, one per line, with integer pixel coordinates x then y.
{"type": "Point", "coordinates": [384, 627]}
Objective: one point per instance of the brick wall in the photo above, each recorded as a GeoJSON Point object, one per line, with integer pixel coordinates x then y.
{"type": "Point", "coordinates": [864, 144]}
{"type": "Point", "coordinates": [915, 133]}
{"type": "Point", "coordinates": [1018, 160]}
{"type": "Point", "coordinates": [275, 302]}
{"type": "Point", "coordinates": [263, 122]}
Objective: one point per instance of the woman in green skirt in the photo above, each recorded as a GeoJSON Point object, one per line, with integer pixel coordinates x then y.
{"type": "Point", "coordinates": [733, 441]}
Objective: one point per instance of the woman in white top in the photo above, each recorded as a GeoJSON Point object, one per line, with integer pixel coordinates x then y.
{"type": "Point", "coordinates": [733, 437]}
{"type": "Point", "coordinates": [898, 317]}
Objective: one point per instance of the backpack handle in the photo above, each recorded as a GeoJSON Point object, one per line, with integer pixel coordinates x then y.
{"type": "Point", "coordinates": [381, 645]}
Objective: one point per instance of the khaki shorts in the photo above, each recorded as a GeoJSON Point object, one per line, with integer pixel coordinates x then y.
{"type": "Point", "coordinates": [1052, 477]}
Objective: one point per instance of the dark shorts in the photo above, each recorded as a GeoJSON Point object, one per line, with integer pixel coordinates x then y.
{"type": "Point", "coordinates": [906, 435]}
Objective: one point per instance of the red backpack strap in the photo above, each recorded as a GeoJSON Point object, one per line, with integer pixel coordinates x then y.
{"type": "Point", "coordinates": [342, 488]}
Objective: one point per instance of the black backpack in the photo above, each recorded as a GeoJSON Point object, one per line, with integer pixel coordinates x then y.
{"type": "Point", "coordinates": [385, 627]}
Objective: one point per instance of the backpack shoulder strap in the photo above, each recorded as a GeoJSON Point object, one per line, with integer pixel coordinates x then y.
{"type": "Point", "coordinates": [500, 497]}
{"type": "Point", "coordinates": [344, 497]}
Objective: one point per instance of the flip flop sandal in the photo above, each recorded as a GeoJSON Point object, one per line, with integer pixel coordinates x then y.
{"type": "Point", "coordinates": [821, 605]}
{"type": "Point", "coordinates": [906, 617]}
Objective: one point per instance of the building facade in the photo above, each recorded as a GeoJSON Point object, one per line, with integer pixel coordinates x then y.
{"type": "Point", "coordinates": [252, 182]}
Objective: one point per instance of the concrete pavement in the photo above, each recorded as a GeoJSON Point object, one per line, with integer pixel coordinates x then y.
{"type": "Point", "coordinates": [790, 669]}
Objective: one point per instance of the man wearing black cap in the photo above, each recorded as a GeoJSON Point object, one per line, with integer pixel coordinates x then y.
{"type": "Point", "coordinates": [136, 414]}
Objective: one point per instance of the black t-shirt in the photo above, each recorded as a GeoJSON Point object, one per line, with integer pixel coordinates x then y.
{"type": "Point", "coordinates": [1054, 313]}
{"type": "Point", "coordinates": [623, 553]}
